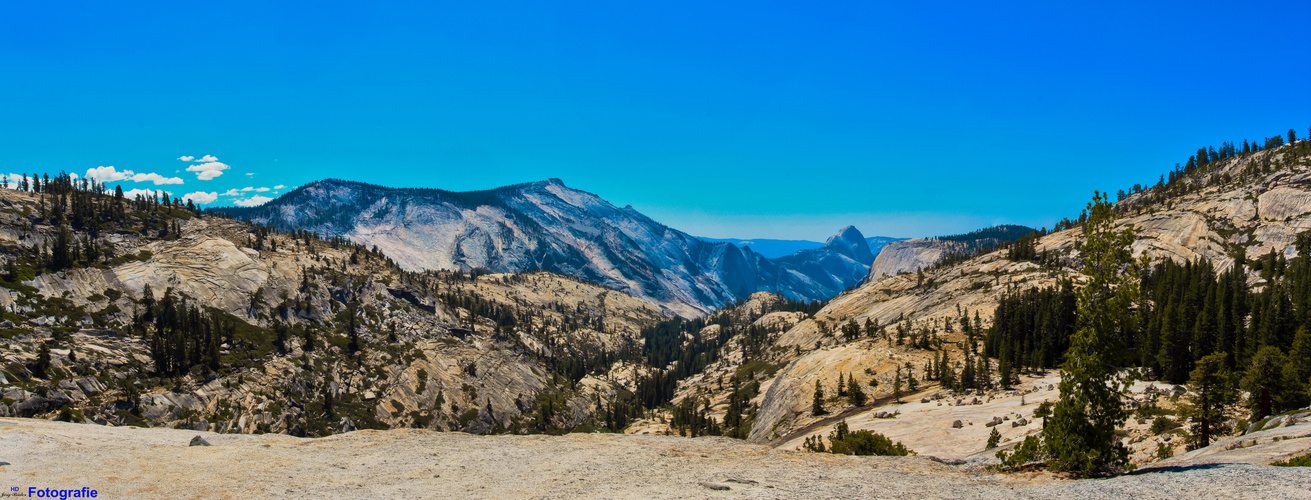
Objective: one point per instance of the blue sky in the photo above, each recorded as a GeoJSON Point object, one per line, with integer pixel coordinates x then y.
{"type": "Point", "coordinates": [737, 119]}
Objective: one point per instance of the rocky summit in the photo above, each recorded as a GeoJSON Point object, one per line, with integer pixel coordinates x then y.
{"type": "Point", "coordinates": [549, 226]}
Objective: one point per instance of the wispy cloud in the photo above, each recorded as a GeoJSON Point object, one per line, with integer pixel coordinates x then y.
{"type": "Point", "coordinates": [208, 158]}
{"type": "Point", "coordinates": [231, 192]}
{"type": "Point", "coordinates": [253, 201]}
{"type": "Point", "coordinates": [261, 190]}
{"type": "Point", "coordinates": [209, 170]}
{"type": "Point", "coordinates": [279, 187]}
{"type": "Point", "coordinates": [201, 197]}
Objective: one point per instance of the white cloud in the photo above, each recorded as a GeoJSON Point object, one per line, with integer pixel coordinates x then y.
{"type": "Point", "coordinates": [110, 174]}
{"type": "Point", "coordinates": [208, 158]}
{"type": "Point", "coordinates": [253, 201]}
{"type": "Point", "coordinates": [14, 180]}
{"type": "Point", "coordinates": [252, 174]}
{"type": "Point", "coordinates": [209, 170]}
{"type": "Point", "coordinates": [261, 190]}
{"type": "Point", "coordinates": [201, 197]}
{"type": "Point", "coordinates": [186, 158]}
{"type": "Point", "coordinates": [248, 188]}
{"type": "Point", "coordinates": [231, 192]}
{"type": "Point", "coordinates": [156, 178]}
{"type": "Point", "coordinates": [279, 187]}
{"type": "Point", "coordinates": [132, 193]}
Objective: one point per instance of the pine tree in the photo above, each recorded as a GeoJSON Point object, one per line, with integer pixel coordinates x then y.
{"type": "Point", "coordinates": [911, 384]}
{"type": "Point", "coordinates": [1080, 436]}
{"type": "Point", "coordinates": [1264, 381]}
{"type": "Point", "coordinates": [854, 391]}
{"type": "Point", "coordinates": [60, 251]}
{"type": "Point", "coordinates": [896, 386]}
{"type": "Point", "coordinates": [1209, 400]}
{"type": "Point", "coordinates": [42, 363]}
{"type": "Point", "coordinates": [817, 407]}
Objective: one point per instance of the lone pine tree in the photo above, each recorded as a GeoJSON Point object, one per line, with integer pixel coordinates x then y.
{"type": "Point", "coordinates": [1080, 435]}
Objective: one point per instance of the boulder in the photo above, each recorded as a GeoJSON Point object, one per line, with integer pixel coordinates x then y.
{"type": "Point", "coordinates": [957, 424]}
{"type": "Point", "coordinates": [37, 404]}
{"type": "Point", "coordinates": [198, 441]}
{"type": "Point", "coordinates": [16, 394]}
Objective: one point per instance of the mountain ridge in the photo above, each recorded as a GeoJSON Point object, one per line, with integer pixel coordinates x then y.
{"type": "Point", "coordinates": [548, 226]}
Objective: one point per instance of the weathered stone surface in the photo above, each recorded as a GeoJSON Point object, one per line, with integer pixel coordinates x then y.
{"type": "Point", "coordinates": [458, 465]}
{"type": "Point", "coordinates": [908, 256]}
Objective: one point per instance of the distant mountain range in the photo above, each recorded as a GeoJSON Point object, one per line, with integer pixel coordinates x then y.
{"type": "Point", "coordinates": [549, 226]}
{"type": "Point", "coordinates": [774, 249]}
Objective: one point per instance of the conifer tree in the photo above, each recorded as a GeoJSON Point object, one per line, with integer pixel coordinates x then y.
{"type": "Point", "coordinates": [896, 386]}
{"type": "Point", "coordinates": [1080, 435]}
{"type": "Point", "coordinates": [854, 391]}
{"type": "Point", "coordinates": [1264, 381]}
{"type": "Point", "coordinates": [817, 406]}
{"type": "Point", "coordinates": [42, 363]}
{"type": "Point", "coordinates": [1209, 400]}
{"type": "Point", "coordinates": [911, 384]}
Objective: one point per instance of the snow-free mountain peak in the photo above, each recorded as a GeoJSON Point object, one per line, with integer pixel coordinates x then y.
{"type": "Point", "coordinates": [548, 226]}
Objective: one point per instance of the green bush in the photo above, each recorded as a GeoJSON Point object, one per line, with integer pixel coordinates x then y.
{"type": "Point", "coordinates": [845, 442]}
{"type": "Point", "coordinates": [1161, 425]}
{"type": "Point", "coordinates": [1029, 450]}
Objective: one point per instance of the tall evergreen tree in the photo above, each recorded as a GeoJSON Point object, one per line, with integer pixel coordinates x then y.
{"type": "Point", "coordinates": [1211, 396]}
{"type": "Point", "coordinates": [817, 406]}
{"type": "Point", "coordinates": [1080, 436]}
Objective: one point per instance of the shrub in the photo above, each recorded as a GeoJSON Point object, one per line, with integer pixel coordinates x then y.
{"type": "Point", "coordinates": [1029, 450]}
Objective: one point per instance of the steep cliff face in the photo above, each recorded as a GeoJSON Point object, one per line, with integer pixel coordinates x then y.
{"type": "Point", "coordinates": [908, 256]}
{"type": "Point", "coordinates": [548, 226]}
